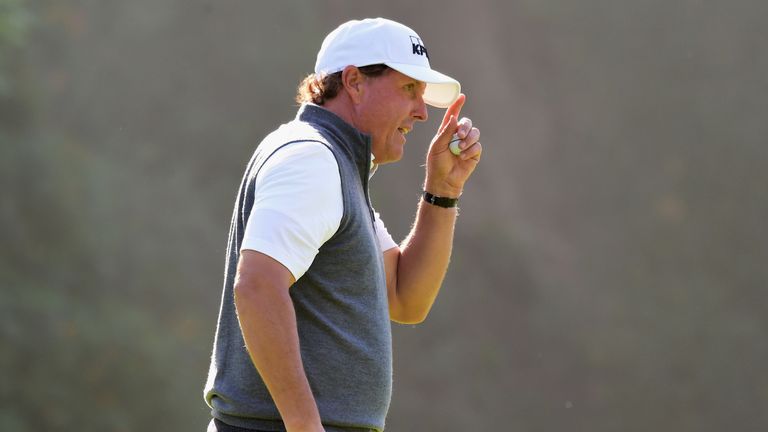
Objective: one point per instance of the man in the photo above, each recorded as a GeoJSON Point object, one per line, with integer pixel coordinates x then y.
{"type": "Point", "coordinates": [312, 277]}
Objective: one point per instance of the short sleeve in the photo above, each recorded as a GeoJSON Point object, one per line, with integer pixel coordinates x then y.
{"type": "Point", "coordinates": [297, 205]}
{"type": "Point", "coordinates": [385, 240]}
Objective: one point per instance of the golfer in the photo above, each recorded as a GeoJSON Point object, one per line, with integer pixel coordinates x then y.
{"type": "Point", "coordinates": [312, 278]}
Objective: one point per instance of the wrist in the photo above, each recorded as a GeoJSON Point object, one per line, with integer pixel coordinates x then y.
{"type": "Point", "coordinates": [444, 202]}
{"type": "Point", "coordinates": [442, 189]}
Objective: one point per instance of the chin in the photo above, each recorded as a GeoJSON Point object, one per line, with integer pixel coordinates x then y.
{"type": "Point", "coordinates": [391, 157]}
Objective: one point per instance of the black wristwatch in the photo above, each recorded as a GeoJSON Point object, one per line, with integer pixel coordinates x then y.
{"type": "Point", "coordinates": [440, 201]}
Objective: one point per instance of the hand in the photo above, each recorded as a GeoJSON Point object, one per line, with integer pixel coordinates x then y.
{"type": "Point", "coordinates": [446, 172]}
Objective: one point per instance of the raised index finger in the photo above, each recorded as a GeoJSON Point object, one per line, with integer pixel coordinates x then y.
{"type": "Point", "coordinates": [453, 110]}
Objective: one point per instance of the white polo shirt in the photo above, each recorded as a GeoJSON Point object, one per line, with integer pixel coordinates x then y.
{"type": "Point", "coordinates": [298, 207]}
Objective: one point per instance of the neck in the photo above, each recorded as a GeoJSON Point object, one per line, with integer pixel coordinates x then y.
{"type": "Point", "coordinates": [342, 107]}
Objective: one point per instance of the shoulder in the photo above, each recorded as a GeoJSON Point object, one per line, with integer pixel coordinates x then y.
{"type": "Point", "coordinates": [291, 132]}
{"type": "Point", "coordinates": [297, 175]}
{"type": "Point", "coordinates": [306, 159]}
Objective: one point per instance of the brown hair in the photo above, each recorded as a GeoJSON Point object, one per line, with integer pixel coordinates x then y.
{"type": "Point", "coordinates": [322, 88]}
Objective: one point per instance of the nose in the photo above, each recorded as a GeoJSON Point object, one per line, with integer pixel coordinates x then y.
{"type": "Point", "coordinates": [420, 111]}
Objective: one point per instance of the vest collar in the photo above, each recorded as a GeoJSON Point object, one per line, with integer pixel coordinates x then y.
{"type": "Point", "coordinates": [353, 142]}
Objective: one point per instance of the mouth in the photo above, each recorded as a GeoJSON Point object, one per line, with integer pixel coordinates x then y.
{"type": "Point", "coordinates": [404, 130]}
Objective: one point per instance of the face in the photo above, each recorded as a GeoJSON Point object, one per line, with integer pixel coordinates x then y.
{"type": "Point", "coordinates": [388, 107]}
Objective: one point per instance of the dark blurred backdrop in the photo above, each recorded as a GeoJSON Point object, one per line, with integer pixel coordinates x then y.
{"type": "Point", "coordinates": [610, 262]}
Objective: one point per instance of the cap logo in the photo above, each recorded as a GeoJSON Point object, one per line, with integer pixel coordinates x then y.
{"type": "Point", "coordinates": [418, 47]}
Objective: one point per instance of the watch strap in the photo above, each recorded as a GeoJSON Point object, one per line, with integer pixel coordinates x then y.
{"type": "Point", "coordinates": [440, 201]}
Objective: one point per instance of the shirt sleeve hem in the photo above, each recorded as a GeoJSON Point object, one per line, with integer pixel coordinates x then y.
{"type": "Point", "coordinates": [274, 252]}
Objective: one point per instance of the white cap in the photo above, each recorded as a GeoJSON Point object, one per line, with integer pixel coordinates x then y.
{"type": "Point", "coordinates": [382, 41]}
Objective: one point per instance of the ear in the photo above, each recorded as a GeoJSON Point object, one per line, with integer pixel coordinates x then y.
{"type": "Point", "coordinates": [352, 80]}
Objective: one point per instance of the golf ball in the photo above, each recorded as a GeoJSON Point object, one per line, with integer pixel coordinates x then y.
{"type": "Point", "coordinates": [454, 145]}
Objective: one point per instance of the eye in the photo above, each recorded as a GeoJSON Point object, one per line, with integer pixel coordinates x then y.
{"type": "Point", "coordinates": [410, 87]}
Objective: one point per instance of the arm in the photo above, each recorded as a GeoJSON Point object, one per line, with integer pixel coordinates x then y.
{"type": "Point", "coordinates": [268, 323]}
{"type": "Point", "coordinates": [416, 269]}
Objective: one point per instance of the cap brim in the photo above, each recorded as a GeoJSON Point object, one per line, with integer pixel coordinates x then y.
{"type": "Point", "coordinates": [441, 90]}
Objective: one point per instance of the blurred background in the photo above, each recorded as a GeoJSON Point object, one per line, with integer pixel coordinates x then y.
{"type": "Point", "coordinates": [611, 256]}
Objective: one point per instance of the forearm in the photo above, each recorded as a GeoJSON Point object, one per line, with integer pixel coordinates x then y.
{"type": "Point", "coordinates": [416, 271]}
{"type": "Point", "coordinates": [424, 257]}
{"type": "Point", "coordinates": [268, 322]}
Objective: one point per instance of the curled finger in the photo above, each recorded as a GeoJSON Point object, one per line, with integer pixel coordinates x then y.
{"type": "Point", "coordinates": [472, 152]}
